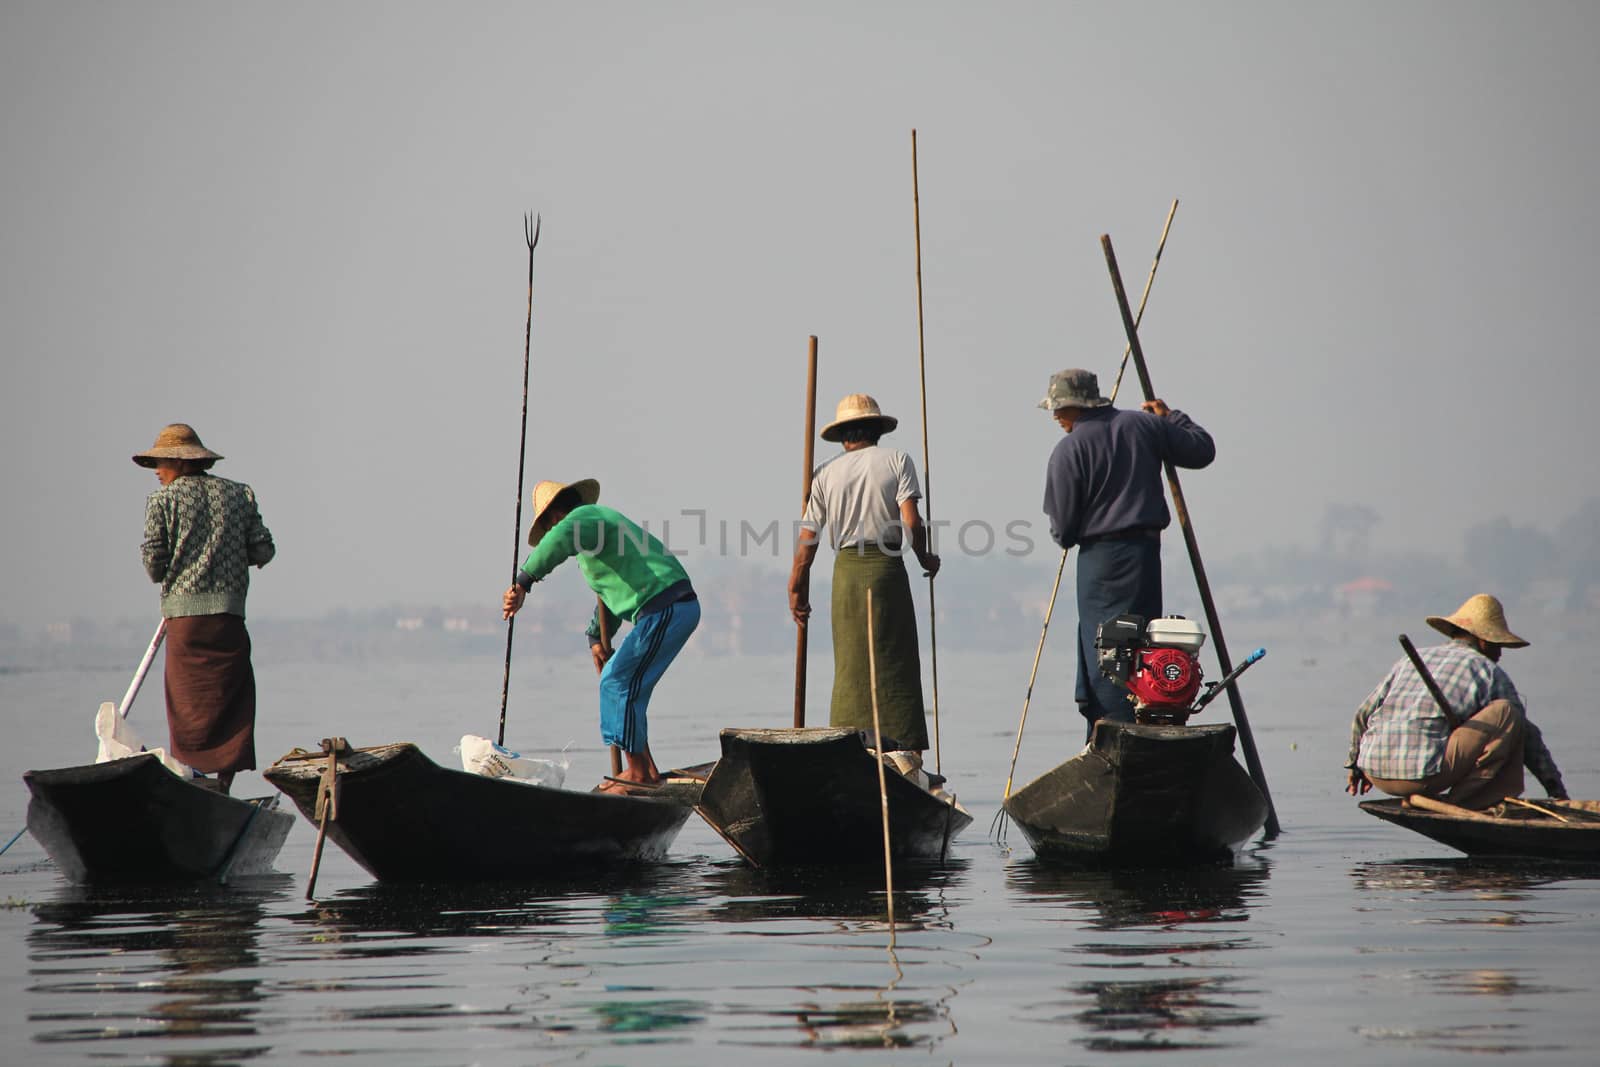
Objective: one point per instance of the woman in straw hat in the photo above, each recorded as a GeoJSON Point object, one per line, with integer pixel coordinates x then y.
{"type": "Point", "coordinates": [636, 579]}
{"type": "Point", "coordinates": [1403, 743]}
{"type": "Point", "coordinates": [868, 495]}
{"type": "Point", "coordinates": [202, 534]}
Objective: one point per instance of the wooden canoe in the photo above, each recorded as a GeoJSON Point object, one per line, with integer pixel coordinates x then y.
{"type": "Point", "coordinates": [132, 820]}
{"type": "Point", "coordinates": [406, 819]}
{"type": "Point", "coordinates": [1505, 830]}
{"type": "Point", "coordinates": [1143, 796]}
{"type": "Point", "coordinates": [810, 796]}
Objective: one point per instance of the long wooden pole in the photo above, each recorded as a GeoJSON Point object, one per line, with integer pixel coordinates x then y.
{"type": "Point", "coordinates": [883, 780]}
{"type": "Point", "coordinates": [144, 669]}
{"type": "Point", "coordinates": [927, 470]}
{"type": "Point", "coordinates": [1138, 317]}
{"type": "Point", "coordinates": [1247, 742]}
{"type": "Point", "coordinates": [1451, 719]}
{"type": "Point", "coordinates": [530, 230]}
{"type": "Point", "coordinates": [802, 629]}
{"type": "Point", "coordinates": [605, 648]}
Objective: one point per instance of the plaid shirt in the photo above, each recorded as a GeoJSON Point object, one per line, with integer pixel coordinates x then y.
{"type": "Point", "coordinates": [1400, 733]}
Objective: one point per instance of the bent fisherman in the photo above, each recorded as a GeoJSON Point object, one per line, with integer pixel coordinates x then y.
{"type": "Point", "coordinates": [1402, 743]}
{"type": "Point", "coordinates": [1103, 493]}
{"type": "Point", "coordinates": [636, 579]}
{"type": "Point", "coordinates": [868, 496]}
{"type": "Point", "coordinates": [202, 534]}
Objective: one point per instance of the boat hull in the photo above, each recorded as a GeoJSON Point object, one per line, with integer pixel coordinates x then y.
{"type": "Point", "coordinates": [404, 818]}
{"type": "Point", "coordinates": [1520, 834]}
{"type": "Point", "coordinates": [808, 797]}
{"type": "Point", "coordinates": [1145, 796]}
{"type": "Point", "coordinates": [133, 821]}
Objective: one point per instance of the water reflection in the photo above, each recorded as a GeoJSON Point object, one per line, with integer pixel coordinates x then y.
{"type": "Point", "coordinates": [1419, 917]}
{"type": "Point", "coordinates": [150, 963]}
{"type": "Point", "coordinates": [1172, 987]}
{"type": "Point", "coordinates": [746, 894]}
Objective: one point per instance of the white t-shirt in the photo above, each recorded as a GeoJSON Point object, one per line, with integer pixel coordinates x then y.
{"type": "Point", "coordinates": [858, 494]}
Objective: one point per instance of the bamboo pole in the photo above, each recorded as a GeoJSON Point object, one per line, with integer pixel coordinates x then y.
{"type": "Point", "coordinates": [802, 629]}
{"type": "Point", "coordinates": [1247, 741]}
{"type": "Point", "coordinates": [530, 230]}
{"type": "Point", "coordinates": [927, 470]}
{"type": "Point", "coordinates": [605, 649]}
{"type": "Point", "coordinates": [997, 828]}
{"type": "Point", "coordinates": [883, 780]}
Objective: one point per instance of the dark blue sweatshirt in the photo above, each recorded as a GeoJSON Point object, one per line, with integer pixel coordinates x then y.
{"type": "Point", "coordinates": [1105, 476]}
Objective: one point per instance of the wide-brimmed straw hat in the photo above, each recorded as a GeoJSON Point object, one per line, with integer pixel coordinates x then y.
{"type": "Point", "coordinates": [1073, 388]}
{"type": "Point", "coordinates": [178, 441]}
{"type": "Point", "coordinates": [1483, 617]}
{"type": "Point", "coordinates": [544, 494]}
{"type": "Point", "coordinates": [857, 407]}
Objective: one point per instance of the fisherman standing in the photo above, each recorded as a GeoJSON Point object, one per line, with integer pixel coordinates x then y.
{"type": "Point", "coordinates": [1402, 742]}
{"type": "Point", "coordinates": [868, 496]}
{"type": "Point", "coordinates": [1103, 494]}
{"type": "Point", "coordinates": [636, 579]}
{"type": "Point", "coordinates": [202, 534]}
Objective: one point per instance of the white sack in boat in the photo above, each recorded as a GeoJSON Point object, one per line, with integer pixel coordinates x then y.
{"type": "Point", "coordinates": [119, 740]}
{"type": "Point", "coordinates": [479, 755]}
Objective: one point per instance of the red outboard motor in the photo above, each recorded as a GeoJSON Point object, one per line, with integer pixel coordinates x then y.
{"type": "Point", "coordinates": [1158, 662]}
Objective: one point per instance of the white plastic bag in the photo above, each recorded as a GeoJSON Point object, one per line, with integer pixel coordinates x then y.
{"type": "Point", "coordinates": [119, 740]}
{"type": "Point", "coordinates": [479, 755]}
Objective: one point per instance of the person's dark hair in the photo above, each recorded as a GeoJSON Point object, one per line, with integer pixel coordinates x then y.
{"type": "Point", "coordinates": [867, 430]}
{"type": "Point", "coordinates": [566, 500]}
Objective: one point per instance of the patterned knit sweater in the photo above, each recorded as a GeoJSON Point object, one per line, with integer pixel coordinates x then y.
{"type": "Point", "coordinates": [201, 534]}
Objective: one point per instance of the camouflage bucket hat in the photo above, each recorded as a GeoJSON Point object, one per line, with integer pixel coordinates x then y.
{"type": "Point", "coordinates": [1073, 388]}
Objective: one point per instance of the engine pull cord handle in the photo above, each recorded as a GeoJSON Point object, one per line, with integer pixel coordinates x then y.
{"type": "Point", "coordinates": [1213, 688]}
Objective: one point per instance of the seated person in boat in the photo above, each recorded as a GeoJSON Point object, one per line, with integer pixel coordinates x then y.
{"type": "Point", "coordinates": [202, 534]}
{"type": "Point", "coordinates": [868, 495]}
{"type": "Point", "coordinates": [636, 579]}
{"type": "Point", "coordinates": [1403, 743]}
{"type": "Point", "coordinates": [1103, 494]}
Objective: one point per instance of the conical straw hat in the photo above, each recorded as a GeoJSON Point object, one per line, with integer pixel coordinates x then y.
{"type": "Point", "coordinates": [178, 441]}
{"type": "Point", "coordinates": [857, 407]}
{"type": "Point", "coordinates": [1483, 617]}
{"type": "Point", "coordinates": [588, 491]}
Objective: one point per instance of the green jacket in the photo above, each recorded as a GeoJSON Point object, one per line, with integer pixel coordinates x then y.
{"type": "Point", "coordinates": [623, 563]}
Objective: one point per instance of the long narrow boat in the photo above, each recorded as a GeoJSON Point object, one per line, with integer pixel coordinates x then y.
{"type": "Point", "coordinates": [406, 819]}
{"type": "Point", "coordinates": [133, 820]}
{"type": "Point", "coordinates": [810, 796]}
{"type": "Point", "coordinates": [1506, 830]}
{"type": "Point", "coordinates": [1143, 795]}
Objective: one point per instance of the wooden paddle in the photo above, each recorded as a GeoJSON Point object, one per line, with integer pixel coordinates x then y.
{"type": "Point", "coordinates": [1451, 719]}
{"type": "Point", "coordinates": [1440, 807]}
{"type": "Point", "coordinates": [805, 501]}
{"type": "Point", "coordinates": [883, 781]}
{"type": "Point", "coordinates": [605, 649]}
{"type": "Point", "coordinates": [1247, 741]}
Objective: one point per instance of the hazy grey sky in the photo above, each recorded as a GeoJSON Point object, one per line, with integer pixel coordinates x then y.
{"type": "Point", "coordinates": [299, 227]}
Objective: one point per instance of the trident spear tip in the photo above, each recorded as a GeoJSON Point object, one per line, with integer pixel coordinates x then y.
{"type": "Point", "coordinates": [530, 229]}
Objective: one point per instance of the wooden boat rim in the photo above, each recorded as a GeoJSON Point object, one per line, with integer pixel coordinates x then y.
{"type": "Point", "coordinates": [1397, 806]}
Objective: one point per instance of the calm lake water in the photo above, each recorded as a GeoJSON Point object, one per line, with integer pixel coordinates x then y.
{"type": "Point", "coordinates": [1345, 940]}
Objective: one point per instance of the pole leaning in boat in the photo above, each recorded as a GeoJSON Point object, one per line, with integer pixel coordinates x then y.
{"type": "Point", "coordinates": [883, 780]}
{"type": "Point", "coordinates": [605, 650]}
{"type": "Point", "coordinates": [927, 472]}
{"type": "Point", "coordinates": [997, 829]}
{"type": "Point", "coordinates": [144, 669]}
{"type": "Point", "coordinates": [530, 230]}
{"type": "Point", "coordinates": [1247, 742]}
{"type": "Point", "coordinates": [802, 629]}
